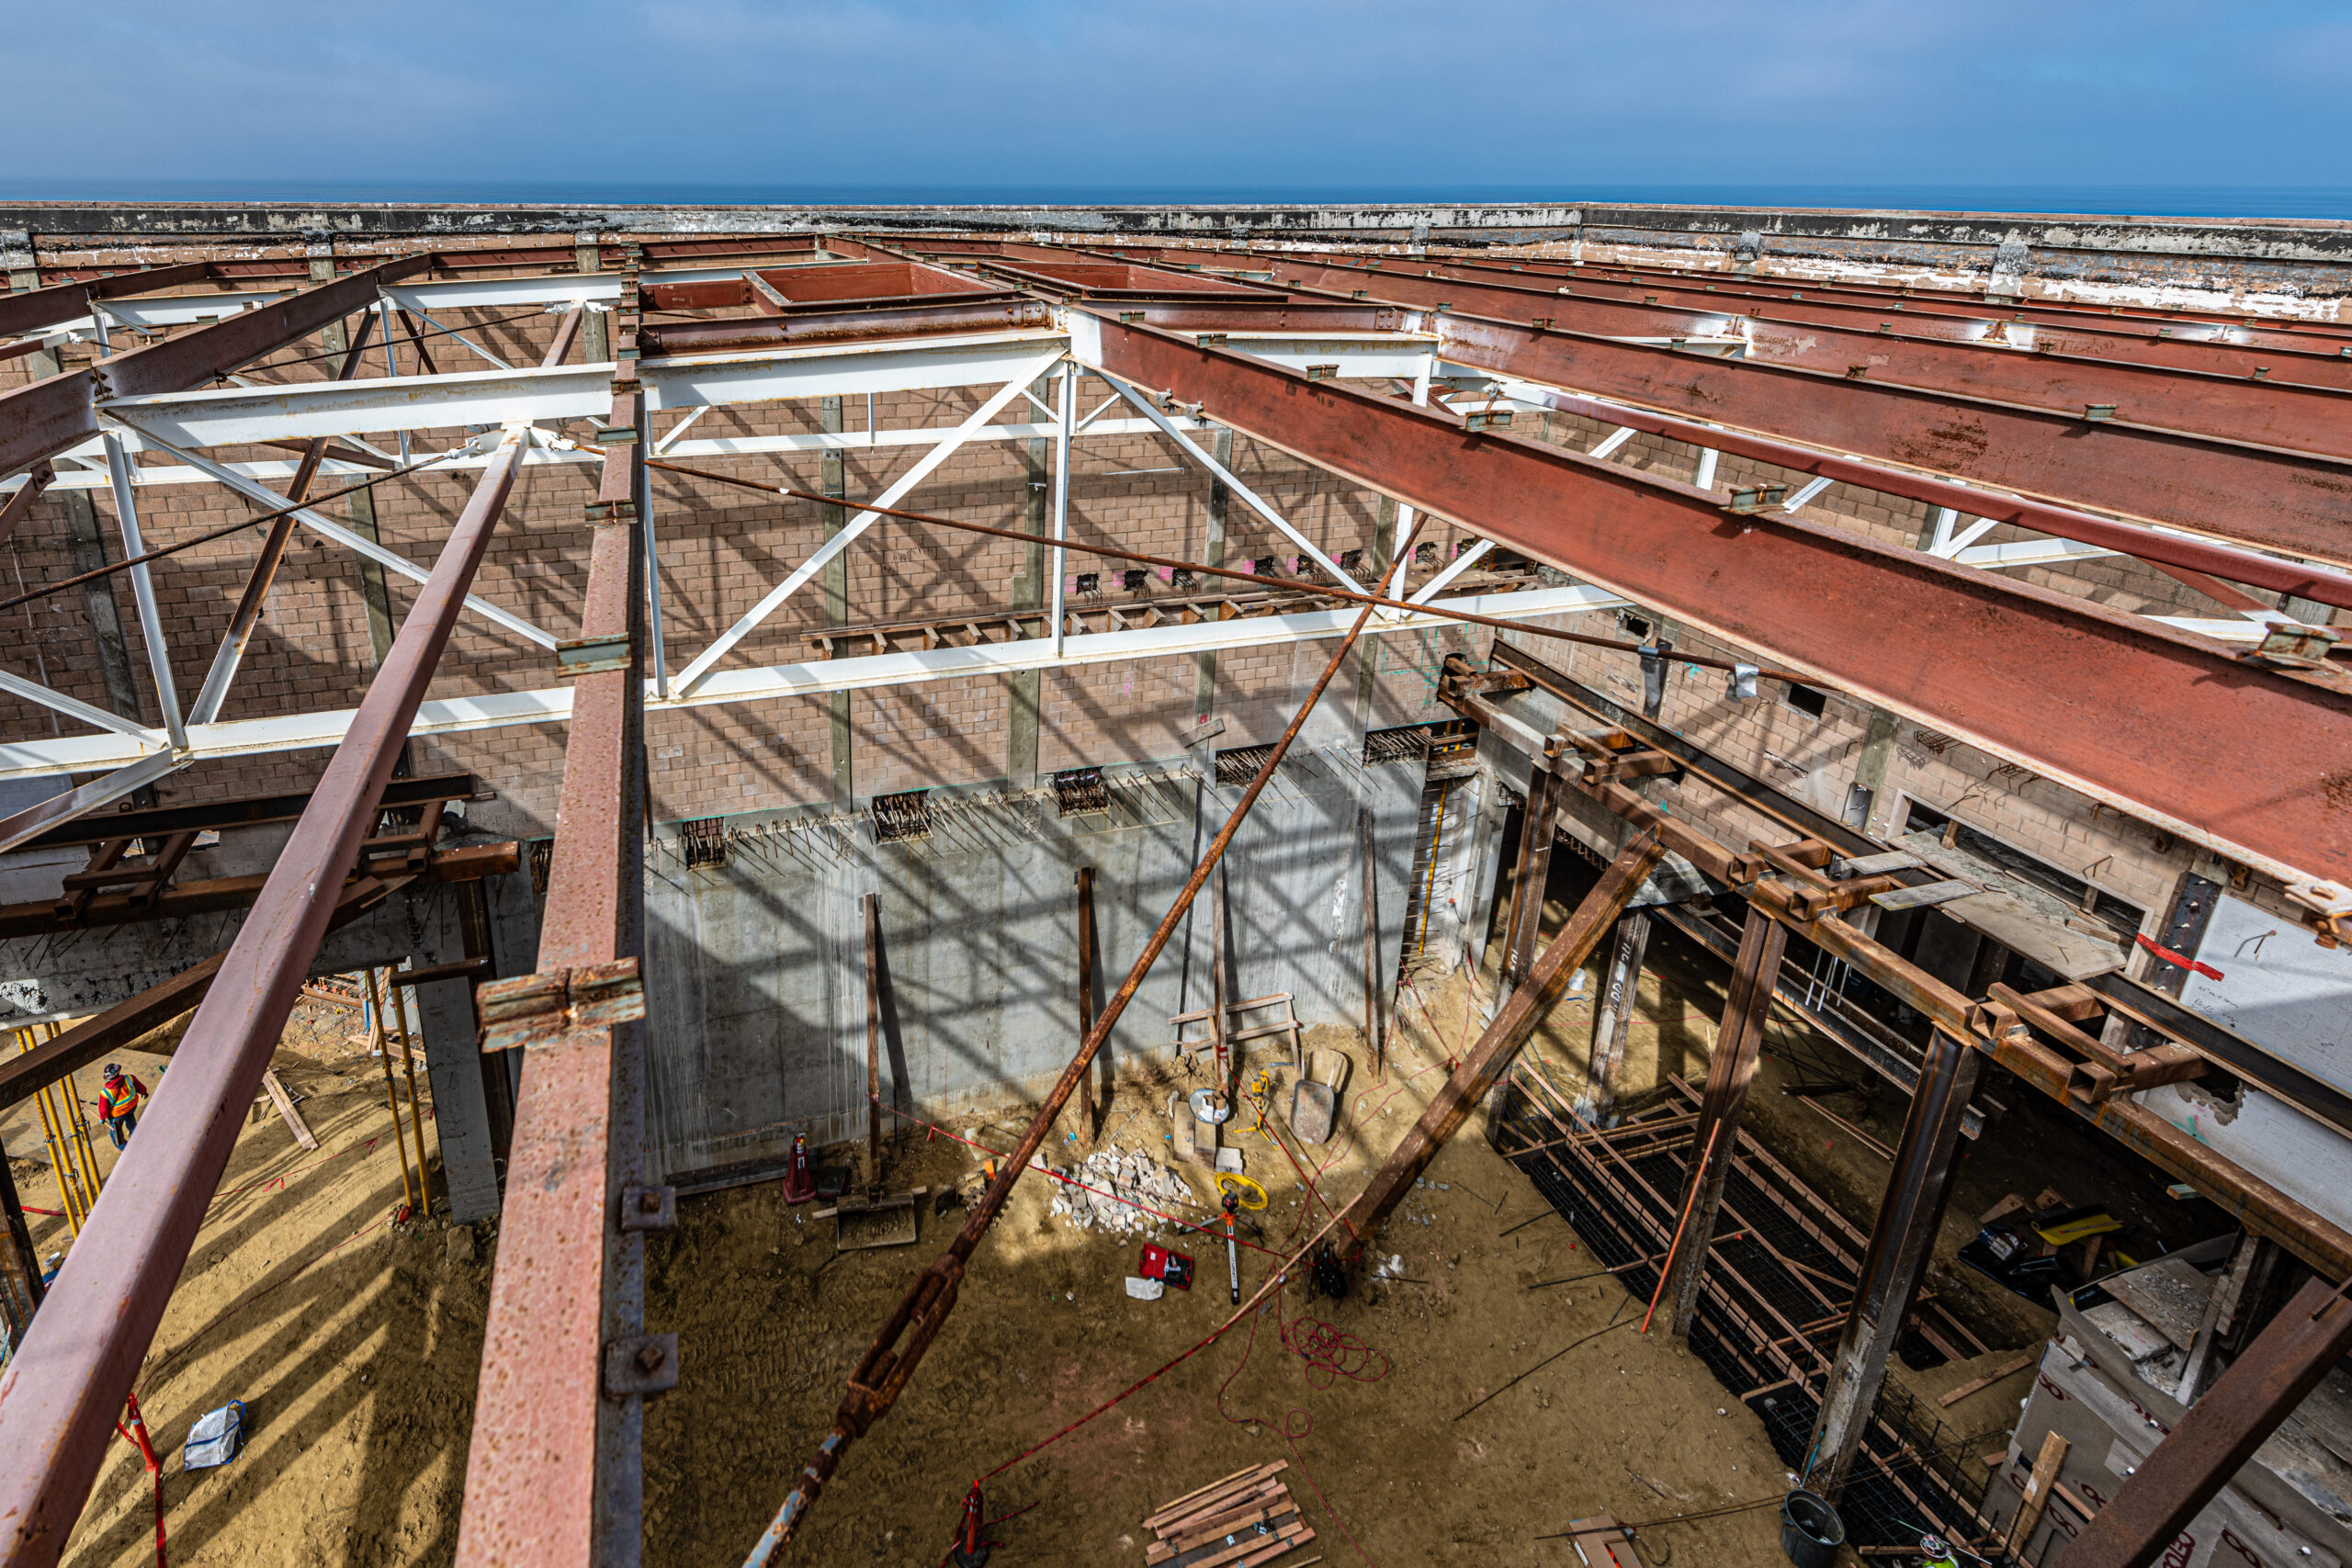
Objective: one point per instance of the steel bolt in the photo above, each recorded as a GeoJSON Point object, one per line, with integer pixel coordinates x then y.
{"type": "Point", "coordinates": [650, 1359]}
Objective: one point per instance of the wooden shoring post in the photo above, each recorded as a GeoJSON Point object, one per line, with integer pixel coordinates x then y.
{"type": "Point", "coordinates": [1537, 827]}
{"type": "Point", "coordinates": [1612, 1021]}
{"type": "Point", "coordinates": [1482, 1066]}
{"type": "Point", "coordinates": [1375, 1035]}
{"type": "Point", "coordinates": [1086, 988]}
{"type": "Point", "coordinates": [392, 1096]}
{"type": "Point", "coordinates": [2219, 1435]}
{"type": "Point", "coordinates": [1762, 942]}
{"type": "Point", "coordinates": [873, 912]}
{"type": "Point", "coordinates": [1908, 1217]}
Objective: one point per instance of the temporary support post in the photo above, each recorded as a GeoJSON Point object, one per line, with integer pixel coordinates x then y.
{"type": "Point", "coordinates": [1086, 988]}
{"type": "Point", "coordinates": [564, 1350]}
{"type": "Point", "coordinates": [1908, 1217]}
{"type": "Point", "coordinates": [20, 1236]}
{"type": "Point", "coordinates": [65, 1387]}
{"type": "Point", "coordinates": [2220, 1433]}
{"type": "Point", "coordinates": [1487, 1061]}
{"type": "Point", "coordinates": [873, 912]}
{"type": "Point", "coordinates": [1761, 943]}
{"type": "Point", "coordinates": [1220, 1021]}
{"type": "Point", "coordinates": [1538, 824]}
{"type": "Point", "coordinates": [1612, 1024]}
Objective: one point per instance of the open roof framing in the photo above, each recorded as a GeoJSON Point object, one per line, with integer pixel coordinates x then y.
{"type": "Point", "coordinates": [2219, 454]}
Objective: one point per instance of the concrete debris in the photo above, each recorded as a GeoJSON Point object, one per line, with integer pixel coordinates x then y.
{"type": "Point", "coordinates": [1121, 1181]}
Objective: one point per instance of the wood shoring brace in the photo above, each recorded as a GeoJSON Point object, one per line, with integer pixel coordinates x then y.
{"type": "Point", "coordinates": [899, 1347]}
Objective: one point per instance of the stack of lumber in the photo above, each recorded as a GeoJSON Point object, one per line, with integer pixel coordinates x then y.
{"type": "Point", "coordinates": [1243, 1520]}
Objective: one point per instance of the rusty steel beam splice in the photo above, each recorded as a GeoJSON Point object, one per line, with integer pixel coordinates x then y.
{"type": "Point", "coordinates": [1908, 1217]}
{"type": "Point", "coordinates": [1761, 944]}
{"type": "Point", "coordinates": [63, 1391]}
{"type": "Point", "coordinates": [554, 1476]}
{"type": "Point", "coordinates": [1498, 1046]}
{"type": "Point", "coordinates": [2136, 715]}
{"type": "Point", "coordinates": [882, 1375]}
{"type": "Point", "coordinates": [2220, 1433]}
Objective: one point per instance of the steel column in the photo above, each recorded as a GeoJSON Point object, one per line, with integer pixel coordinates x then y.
{"type": "Point", "coordinates": [1539, 827]}
{"type": "Point", "coordinates": [1749, 1003]}
{"type": "Point", "coordinates": [1908, 1217]}
{"type": "Point", "coordinates": [1612, 1021]}
{"type": "Point", "coordinates": [61, 1393]}
{"type": "Point", "coordinates": [2152, 721]}
{"type": "Point", "coordinates": [554, 1475]}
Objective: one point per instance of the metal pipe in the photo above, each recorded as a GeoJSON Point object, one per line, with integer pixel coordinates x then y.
{"type": "Point", "coordinates": [62, 1392]}
{"type": "Point", "coordinates": [1061, 494]}
{"type": "Point", "coordinates": [875, 1386]}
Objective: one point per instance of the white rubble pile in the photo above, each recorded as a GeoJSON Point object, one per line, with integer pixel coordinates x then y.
{"type": "Point", "coordinates": [1121, 1181]}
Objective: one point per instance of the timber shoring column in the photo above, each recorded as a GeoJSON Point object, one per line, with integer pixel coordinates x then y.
{"type": "Point", "coordinates": [1761, 943]}
{"type": "Point", "coordinates": [554, 1475]}
{"type": "Point", "coordinates": [63, 1391]}
{"type": "Point", "coordinates": [1908, 1217]}
{"type": "Point", "coordinates": [2220, 1433]}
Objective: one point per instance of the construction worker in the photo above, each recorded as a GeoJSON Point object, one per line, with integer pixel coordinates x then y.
{"type": "Point", "coordinates": [118, 1100]}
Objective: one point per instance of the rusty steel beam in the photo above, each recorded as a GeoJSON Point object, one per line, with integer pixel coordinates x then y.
{"type": "Point", "coordinates": [1910, 1211]}
{"type": "Point", "coordinates": [2266, 495]}
{"type": "Point", "coordinates": [1763, 942]}
{"type": "Point", "coordinates": [2039, 362]}
{"type": "Point", "coordinates": [2161, 725]}
{"type": "Point", "coordinates": [39, 308]}
{"type": "Point", "coordinates": [1484, 1065]}
{"type": "Point", "coordinates": [2213, 404]}
{"type": "Point", "coordinates": [45, 417]}
{"type": "Point", "coordinates": [61, 1393]}
{"type": "Point", "coordinates": [2228, 562]}
{"type": "Point", "coordinates": [563, 1351]}
{"type": "Point", "coordinates": [2306, 1342]}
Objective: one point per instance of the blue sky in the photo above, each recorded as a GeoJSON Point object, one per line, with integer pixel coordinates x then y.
{"type": "Point", "coordinates": [1036, 99]}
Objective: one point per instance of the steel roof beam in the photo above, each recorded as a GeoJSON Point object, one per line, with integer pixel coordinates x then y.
{"type": "Point", "coordinates": [2161, 725]}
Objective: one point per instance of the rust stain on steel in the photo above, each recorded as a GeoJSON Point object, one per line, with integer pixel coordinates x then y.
{"type": "Point", "coordinates": [553, 1475]}
{"type": "Point", "coordinates": [2164, 725]}
{"type": "Point", "coordinates": [63, 1391]}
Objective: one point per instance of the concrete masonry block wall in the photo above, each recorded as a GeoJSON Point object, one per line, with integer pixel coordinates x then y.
{"type": "Point", "coordinates": [755, 969]}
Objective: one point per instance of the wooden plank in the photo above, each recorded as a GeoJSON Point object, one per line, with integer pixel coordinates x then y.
{"type": "Point", "coordinates": [2036, 1492]}
{"type": "Point", "coordinates": [1180, 1506]}
{"type": "Point", "coordinates": [1926, 895]}
{"type": "Point", "coordinates": [1280, 1549]}
{"type": "Point", "coordinates": [1218, 1558]}
{"type": "Point", "coordinates": [1221, 1516]}
{"type": "Point", "coordinates": [1270, 1510]}
{"type": "Point", "coordinates": [285, 1103]}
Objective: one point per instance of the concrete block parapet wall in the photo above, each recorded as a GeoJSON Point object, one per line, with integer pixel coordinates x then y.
{"type": "Point", "coordinates": [755, 968]}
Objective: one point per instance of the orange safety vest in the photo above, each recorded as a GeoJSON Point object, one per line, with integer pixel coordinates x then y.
{"type": "Point", "coordinates": [120, 1097]}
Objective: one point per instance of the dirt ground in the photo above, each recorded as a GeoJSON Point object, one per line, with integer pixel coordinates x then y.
{"type": "Point", "coordinates": [355, 1342]}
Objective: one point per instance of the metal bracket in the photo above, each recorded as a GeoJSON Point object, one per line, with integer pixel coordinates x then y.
{"type": "Point", "coordinates": [639, 1364]}
{"type": "Point", "coordinates": [1749, 499]}
{"type": "Point", "coordinates": [2292, 643]}
{"type": "Point", "coordinates": [593, 655]}
{"type": "Point", "coordinates": [649, 1208]}
{"type": "Point", "coordinates": [544, 1009]}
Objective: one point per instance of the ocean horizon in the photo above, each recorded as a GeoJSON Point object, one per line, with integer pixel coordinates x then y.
{"type": "Point", "coordinates": [2115, 201]}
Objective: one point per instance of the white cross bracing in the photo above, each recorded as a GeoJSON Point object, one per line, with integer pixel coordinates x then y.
{"type": "Point", "coordinates": [528, 402]}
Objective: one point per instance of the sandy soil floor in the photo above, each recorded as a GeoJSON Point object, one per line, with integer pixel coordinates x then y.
{"type": "Point", "coordinates": [355, 1342]}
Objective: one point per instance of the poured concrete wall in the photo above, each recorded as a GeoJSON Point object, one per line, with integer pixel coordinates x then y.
{"type": "Point", "coordinates": [755, 970]}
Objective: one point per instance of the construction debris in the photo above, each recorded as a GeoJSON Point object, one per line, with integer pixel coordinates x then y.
{"type": "Point", "coordinates": [1125, 1185]}
{"type": "Point", "coordinates": [1245, 1519]}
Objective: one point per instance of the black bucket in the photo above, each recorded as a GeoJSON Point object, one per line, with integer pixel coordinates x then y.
{"type": "Point", "coordinates": [1811, 1531]}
